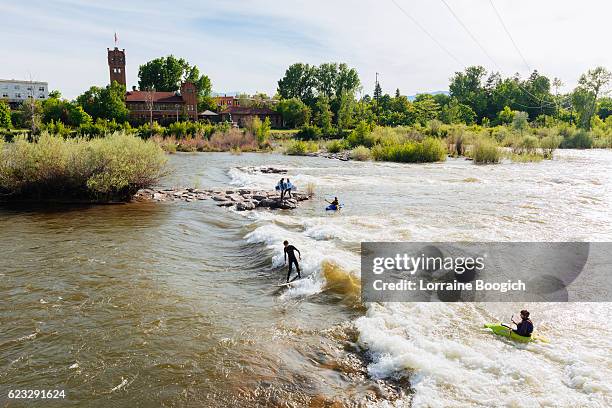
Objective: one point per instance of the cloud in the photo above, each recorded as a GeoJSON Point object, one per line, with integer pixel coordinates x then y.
{"type": "Point", "coordinates": [247, 45]}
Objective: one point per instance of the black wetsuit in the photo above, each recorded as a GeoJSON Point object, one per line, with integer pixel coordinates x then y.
{"type": "Point", "coordinates": [524, 328]}
{"type": "Point", "coordinates": [290, 251]}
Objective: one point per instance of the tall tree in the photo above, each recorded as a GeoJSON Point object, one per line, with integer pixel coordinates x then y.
{"type": "Point", "coordinates": [167, 74]}
{"type": "Point", "coordinates": [299, 82]}
{"type": "Point", "coordinates": [105, 103]}
{"type": "Point", "coordinates": [591, 85]}
{"type": "Point", "coordinates": [323, 115]}
{"type": "Point", "coordinates": [294, 112]}
{"type": "Point", "coordinates": [5, 115]}
{"type": "Point", "coordinates": [468, 89]}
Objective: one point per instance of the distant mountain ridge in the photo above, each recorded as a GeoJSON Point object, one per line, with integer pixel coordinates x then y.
{"type": "Point", "coordinates": [412, 97]}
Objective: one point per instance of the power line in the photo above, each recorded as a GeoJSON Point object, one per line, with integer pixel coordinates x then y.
{"type": "Point", "coordinates": [501, 20]}
{"type": "Point", "coordinates": [470, 34]}
{"type": "Point", "coordinates": [439, 44]}
{"type": "Point", "coordinates": [467, 30]}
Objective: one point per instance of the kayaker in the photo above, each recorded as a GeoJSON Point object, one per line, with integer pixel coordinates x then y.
{"type": "Point", "coordinates": [335, 202]}
{"type": "Point", "coordinates": [290, 251]}
{"type": "Point", "coordinates": [525, 326]}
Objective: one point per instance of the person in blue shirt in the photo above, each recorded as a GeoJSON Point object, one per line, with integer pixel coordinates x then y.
{"type": "Point", "coordinates": [288, 188]}
{"type": "Point", "coordinates": [525, 326]}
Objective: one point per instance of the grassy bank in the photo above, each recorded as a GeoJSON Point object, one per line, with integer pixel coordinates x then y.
{"type": "Point", "coordinates": [105, 169]}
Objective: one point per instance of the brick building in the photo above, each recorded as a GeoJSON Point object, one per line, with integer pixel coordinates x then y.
{"type": "Point", "coordinates": [163, 107]}
{"type": "Point", "coordinates": [223, 102]}
{"type": "Point", "coordinates": [240, 115]}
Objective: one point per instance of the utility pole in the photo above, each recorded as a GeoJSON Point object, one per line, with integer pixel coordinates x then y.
{"type": "Point", "coordinates": [377, 96]}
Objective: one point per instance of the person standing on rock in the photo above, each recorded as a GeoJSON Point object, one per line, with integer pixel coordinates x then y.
{"type": "Point", "coordinates": [290, 251]}
{"type": "Point", "coordinates": [289, 187]}
{"type": "Point", "coordinates": [281, 186]}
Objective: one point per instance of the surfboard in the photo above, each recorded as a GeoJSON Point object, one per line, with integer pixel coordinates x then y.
{"type": "Point", "coordinates": [282, 285]}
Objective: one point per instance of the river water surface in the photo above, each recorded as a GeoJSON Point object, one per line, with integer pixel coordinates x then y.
{"type": "Point", "coordinates": [175, 304]}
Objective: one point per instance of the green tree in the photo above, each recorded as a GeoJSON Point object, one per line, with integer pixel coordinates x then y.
{"type": "Point", "coordinates": [604, 108]}
{"type": "Point", "coordinates": [31, 114]}
{"type": "Point", "coordinates": [323, 115]}
{"type": "Point", "coordinates": [345, 116]}
{"type": "Point", "coordinates": [105, 103]}
{"type": "Point", "coordinates": [590, 86]}
{"type": "Point", "coordinates": [299, 82]}
{"type": "Point", "coordinates": [5, 115]}
{"type": "Point", "coordinates": [295, 113]}
{"type": "Point", "coordinates": [168, 73]}
{"type": "Point", "coordinates": [455, 112]}
{"type": "Point", "coordinates": [66, 112]}
{"type": "Point", "coordinates": [505, 116]}
{"type": "Point", "coordinates": [426, 108]}
{"type": "Point", "coordinates": [467, 88]}
{"type": "Point", "coordinates": [520, 121]}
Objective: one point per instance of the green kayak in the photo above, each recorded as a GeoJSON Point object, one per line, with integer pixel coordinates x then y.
{"type": "Point", "coordinates": [504, 331]}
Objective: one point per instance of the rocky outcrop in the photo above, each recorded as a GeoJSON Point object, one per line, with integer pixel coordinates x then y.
{"type": "Point", "coordinates": [343, 156]}
{"type": "Point", "coordinates": [241, 199]}
{"type": "Point", "coordinates": [265, 170]}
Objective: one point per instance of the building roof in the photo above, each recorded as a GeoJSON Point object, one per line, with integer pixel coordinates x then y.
{"type": "Point", "coordinates": [18, 81]}
{"type": "Point", "coordinates": [246, 110]}
{"type": "Point", "coordinates": [207, 113]}
{"type": "Point", "coordinates": [159, 97]}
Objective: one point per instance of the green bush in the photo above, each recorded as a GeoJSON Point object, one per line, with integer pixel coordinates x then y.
{"type": "Point", "coordinates": [485, 151]}
{"type": "Point", "coordinates": [335, 146]}
{"type": "Point", "coordinates": [578, 139]}
{"type": "Point", "coordinates": [429, 150]}
{"type": "Point", "coordinates": [301, 148]}
{"type": "Point", "coordinates": [361, 153]}
{"type": "Point", "coordinates": [113, 168]}
{"type": "Point", "coordinates": [361, 136]}
{"type": "Point", "coordinates": [308, 132]}
{"type": "Point", "coordinates": [549, 144]}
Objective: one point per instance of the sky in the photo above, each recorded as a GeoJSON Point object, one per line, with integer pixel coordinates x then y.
{"type": "Point", "coordinates": [246, 46]}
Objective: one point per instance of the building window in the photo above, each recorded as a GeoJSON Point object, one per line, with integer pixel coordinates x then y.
{"type": "Point", "coordinates": [41, 89]}
{"type": "Point", "coordinates": [5, 95]}
{"type": "Point", "coordinates": [17, 95]}
{"type": "Point", "coordinates": [16, 86]}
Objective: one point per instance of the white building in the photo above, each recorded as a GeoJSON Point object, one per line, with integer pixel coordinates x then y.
{"type": "Point", "coordinates": [18, 91]}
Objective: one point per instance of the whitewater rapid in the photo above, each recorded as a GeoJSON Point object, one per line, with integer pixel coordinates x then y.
{"type": "Point", "coordinates": [442, 348]}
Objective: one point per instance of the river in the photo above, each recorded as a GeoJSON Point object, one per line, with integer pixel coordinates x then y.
{"type": "Point", "coordinates": [174, 304]}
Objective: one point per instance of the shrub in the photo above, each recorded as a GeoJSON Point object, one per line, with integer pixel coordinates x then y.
{"type": "Point", "coordinates": [308, 132]}
{"type": "Point", "coordinates": [549, 144]}
{"type": "Point", "coordinates": [579, 139]}
{"type": "Point", "coordinates": [105, 169]}
{"type": "Point", "coordinates": [360, 136]}
{"type": "Point", "coordinates": [301, 148]}
{"type": "Point", "coordinates": [361, 153]}
{"type": "Point", "coordinates": [335, 146]}
{"type": "Point", "coordinates": [429, 150]}
{"type": "Point", "coordinates": [485, 151]}
{"type": "Point", "coordinates": [232, 138]}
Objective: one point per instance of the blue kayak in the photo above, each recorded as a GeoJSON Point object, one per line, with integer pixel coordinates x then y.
{"type": "Point", "coordinates": [333, 207]}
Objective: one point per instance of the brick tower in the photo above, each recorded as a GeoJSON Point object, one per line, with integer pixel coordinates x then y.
{"type": "Point", "coordinates": [190, 96]}
{"type": "Point", "coordinates": [116, 65]}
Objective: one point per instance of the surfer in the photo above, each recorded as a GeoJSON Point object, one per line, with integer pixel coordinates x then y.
{"type": "Point", "coordinates": [525, 326]}
{"type": "Point", "coordinates": [289, 186]}
{"type": "Point", "coordinates": [290, 251]}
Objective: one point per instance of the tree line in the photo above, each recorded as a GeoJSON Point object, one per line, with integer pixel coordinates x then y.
{"type": "Point", "coordinates": [324, 96]}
